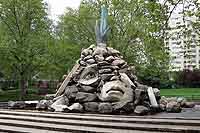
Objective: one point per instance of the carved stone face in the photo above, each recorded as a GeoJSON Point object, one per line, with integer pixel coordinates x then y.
{"type": "Point", "coordinates": [102, 82]}
{"type": "Point", "coordinates": [104, 74]}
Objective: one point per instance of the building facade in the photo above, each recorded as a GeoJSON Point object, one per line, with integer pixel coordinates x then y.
{"type": "Point", "coordinates": [181, 43]}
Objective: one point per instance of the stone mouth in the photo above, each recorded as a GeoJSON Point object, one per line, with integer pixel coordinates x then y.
{"type": "Point", "coordinates": [115, 91]}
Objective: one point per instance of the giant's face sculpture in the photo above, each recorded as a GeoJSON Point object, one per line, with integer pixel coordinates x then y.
{"type": "Point", "coordinates": [102, 83]}
{"type": "Point", "coordinates": [102, 72]}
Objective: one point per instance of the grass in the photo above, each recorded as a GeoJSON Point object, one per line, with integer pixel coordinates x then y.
{"type": "Point", "coordinates": [14, 95]}
{"type": "Point", "coordinates": [189, 93]}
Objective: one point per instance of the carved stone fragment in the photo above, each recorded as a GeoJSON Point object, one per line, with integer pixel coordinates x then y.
{"type": "Point", "coordinates": [85, 97]}
{"type": "Point", "coordinates": [91, 106]}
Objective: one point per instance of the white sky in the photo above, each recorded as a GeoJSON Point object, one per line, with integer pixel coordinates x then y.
{"type": "Point", "coordinates": [57, 7]}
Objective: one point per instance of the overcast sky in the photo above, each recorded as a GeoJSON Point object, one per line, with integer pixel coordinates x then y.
{"type": "Point", "coordinates": [57, 7]}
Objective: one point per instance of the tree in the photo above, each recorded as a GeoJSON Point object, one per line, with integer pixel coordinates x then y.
{"type": "Point", "coordinates": [136, 30]}
{"type": "Point", "coordinates": [26, 29]}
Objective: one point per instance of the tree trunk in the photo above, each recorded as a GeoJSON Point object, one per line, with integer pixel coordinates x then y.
{"type": "Point", "coordinates": [23, 84]}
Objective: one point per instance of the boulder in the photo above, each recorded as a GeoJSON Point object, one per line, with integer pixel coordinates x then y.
{"type": "Point", "coordinates": [182, 101]}
{"type": "Point", "coordinates": [91, 106]}
{"type": "Point", "coordinates": [82, 63]}
{"type": "Point", "coordinates": [129, 107]}
{"type": "Point", "coordinates": [76, 107]}
{"type": "Point", "coordinates": [61, 104]}
{"type": "Point", "coordinates": [88, 57]}
{"type": "Point", "coordinates": [141, 110]}
{"type": "Point", "coordinates": [62, 100]}
{"type": "Point", "coordinates": [43, 104]}
{"type": "Point", "coordinates": [49, 97]}
{"type": "Point", "coordinates": [106, 77]}
{"type": "Point", "coordinates": [189, 105]}
{"type": "Point", "coordinates": [110, 59]}
{"type": "Point", "coordinates": [112, 51]}
{"type": "Point", "coordinates": [162, 107]}
{"type": "Point", "coordinates": [103, 71]}
{"type": "Point", "coordinates": [139, 95]}
{"type": "Point", "coordinates": [71, 91]}
{"type": "Point", "coordinates": [196, 108]}
{"type": "Point", "coordinates": [16, 104]}
{"type": "Point", "coordinates": [163, 100]}
{"type": "Point", "coordinates": [173, 107]}
{"type": "Point", "coordinates": [60, 108]}
{"type": "Point", "coordinates": [100, 51]}
{"type": "Point", "coordinates": [110, 67]}
{"type": "Point", "coordinates": [156, 92]}
{"type": "Point", "coordinates": [118, 62]}
{"type": "Point", "coordinates": [98, 58]}
{"type": "Point", "coordinates": [86, 52]}
{"type": "Point", "coordinates": [84, 88]}
{"type": "Point", "coordinates": [114, 78]}
{"type": "Point", "coordinates": [85, 97]}
{"type": "Point", "coordinates": [103, 63]}
{"type": "Point", "coordinates": [105, 108]}
{"type": "Point", "coordinates": [90, 61]}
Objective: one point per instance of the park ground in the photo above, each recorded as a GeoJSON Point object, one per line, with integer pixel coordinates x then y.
{"type": "Point", "coordinates": [33, 94]}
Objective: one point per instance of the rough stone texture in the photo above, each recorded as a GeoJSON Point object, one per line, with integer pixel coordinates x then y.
{"type": "Point", "coordinates": [162, 107]}
{"type": "Point", "coordinates": [16, 104]}
{"type": "Point", "coordinates": [49, 97]}
{"type": "Point", "coordinates": [105, 83]}
{"type": "Point", "coordinates": [129, 107]}
{"type": "Point", "coordinates": [139, 95]}
{"type": "Point", "coordinates": [118, 62]}
{"type": "Point", "coordinates": [90, 61]}
{"type": "Point", "coordinates": [101, 71]}
{"type": "Point", "coordinates": [110, 59]}
{"type": "Point", "coordinates": [141, 110]}
{"type": "Point", "coordinates": [87, 57]}
{"type": "Point", "coordinates": [76, 107]}
{"type": "Point", "coordinates": [71, 91]}
{"type": "Point", "coordinates": [43, 104]}
{"type": "Point", "coordinates": [91, 106]}
{"type": "Point", "coordinates": [189, 104]}
{"type": "Point", "coordinates": [62, 100]}
{"type": "Point", "coordinates": [99, 58]}
{"type": "Point", "coordinates": [84, 88]}
{"type": "Point", "coordinates": [112, 51]}
{"type": "Point", "coordinates": [156, 92]}
{"type": "Point", "coordinates": [60, 104]}
{"type": "Point", "coordinates": [106, 77]}
{"type": "Point", "coordinates": [173, 107]}
{"type": "Point", "coordinates": [85, 97]}
{"type": "Point", "coordinates": [105, 108]}
{"type": "Point", "coordinates": [182, 101]}
{"type": "Point", "coordinates": [196, 108]}
{"type": "Point", "coordinates": [60, 108]}
{"type": "Point", "coordinates": [163, 100]}
{"type": "Point", "coordinates": [99, 51]}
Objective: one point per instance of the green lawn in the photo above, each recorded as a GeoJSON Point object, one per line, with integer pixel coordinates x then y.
{"type": "Point", "coordinates": [189, 93]}
{"type": "Point", "coordinates": [14, 95]}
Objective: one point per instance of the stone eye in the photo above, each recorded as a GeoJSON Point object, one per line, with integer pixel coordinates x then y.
{"type": "Point", "coordinates": [90, 75]}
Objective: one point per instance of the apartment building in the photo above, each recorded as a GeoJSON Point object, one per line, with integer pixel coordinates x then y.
{"type": "Point", "coordinates": [183, 49]}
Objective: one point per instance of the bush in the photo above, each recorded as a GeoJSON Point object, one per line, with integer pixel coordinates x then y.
{"type": "Point", "coordinates": [188, 78]}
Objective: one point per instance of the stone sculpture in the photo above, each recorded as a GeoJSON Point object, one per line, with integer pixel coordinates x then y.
{"type": "Point", "coordinates": [103, 82]}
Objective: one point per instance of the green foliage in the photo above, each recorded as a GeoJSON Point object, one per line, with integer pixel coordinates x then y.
{"type": "Point", "coordinates": [26, 34]}
{"type": "Point", "coordinates": [13, 95]}
{"type": "Point", "coordinates": [136, 31]}
{"type": "Point", "coordinates": [60, 59]}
